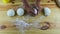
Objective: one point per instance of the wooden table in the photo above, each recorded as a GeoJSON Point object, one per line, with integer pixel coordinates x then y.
{"type": "Point", "coordinates": [54, 19]}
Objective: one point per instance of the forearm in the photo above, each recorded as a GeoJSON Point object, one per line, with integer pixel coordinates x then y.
{"type": "Point", "coordinates": [25, 2]}
{"type": "Point", "coordinates": [38, 3]}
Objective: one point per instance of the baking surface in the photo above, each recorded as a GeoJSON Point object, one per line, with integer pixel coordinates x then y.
{"type": "Point", "coordinates": [54, 19]}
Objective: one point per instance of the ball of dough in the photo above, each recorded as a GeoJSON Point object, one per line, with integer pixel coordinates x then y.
{"type": "Point", "coordinates": [20, 11]}
{"type": "Point", "coordinates": [47, 11]}
{"type": "Point", "coordinates": [10, 12]}
{"type": "Point", "coordinates": [36, 12]}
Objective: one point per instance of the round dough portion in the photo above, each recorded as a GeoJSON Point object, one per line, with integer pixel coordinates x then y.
{"type": "Point", "coordinates": [20, 12]}
{"type": "Point", "coordinates": [47, 11]}
{"type": "Point", "coordinates": [10, 12]}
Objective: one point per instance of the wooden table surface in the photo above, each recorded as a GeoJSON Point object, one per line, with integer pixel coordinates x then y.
{"type": "Point", "coordinates": [54, 19]}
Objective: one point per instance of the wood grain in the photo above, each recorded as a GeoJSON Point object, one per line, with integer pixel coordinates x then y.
{"type": "Point", "coordinates": [54, 19]}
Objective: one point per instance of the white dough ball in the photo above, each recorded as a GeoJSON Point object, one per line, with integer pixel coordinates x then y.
{"type": "Point", "coordinates": [20, 11]}
{"type": "Point", "coordinates": [10, 12]}
{"type": "Point", "coordinates": [47, 11]}
{"type": "Point", "coordinates": [35, 11]}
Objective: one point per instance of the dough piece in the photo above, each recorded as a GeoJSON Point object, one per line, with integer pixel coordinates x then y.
{"type": "Point", "coordinates": [10, 12]}
{"type": "Point", "coordinates": [20, 11]}
{"type": "Point", "coordinates": [47, 11]}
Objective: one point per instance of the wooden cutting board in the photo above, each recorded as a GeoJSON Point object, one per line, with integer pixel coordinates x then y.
{"type": "Point", "coordinates": [54, 19]}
